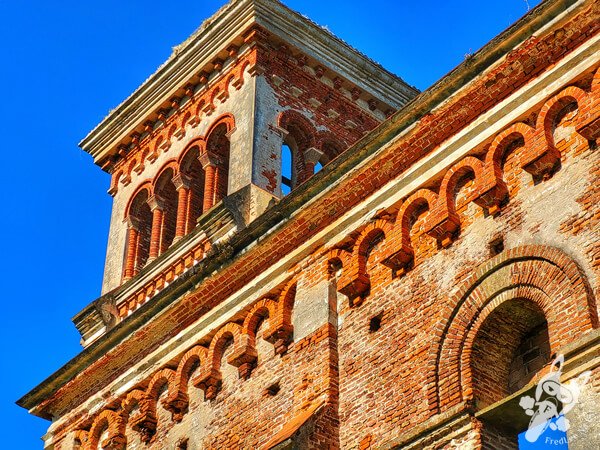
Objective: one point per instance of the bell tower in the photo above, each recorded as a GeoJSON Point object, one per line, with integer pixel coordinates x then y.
{"type": "Point", "coordinates": [243, 112]}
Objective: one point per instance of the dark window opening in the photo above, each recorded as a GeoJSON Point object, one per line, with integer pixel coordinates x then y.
{"type": "Point", "coordinates": [286, 169]}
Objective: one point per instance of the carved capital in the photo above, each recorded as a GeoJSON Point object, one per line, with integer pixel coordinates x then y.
{"type": "Point", "coordinates": [156, 202]}
{"type": "Point", "coordinates": [312, 155]}
{"type": "Point", "coordinates": [209, 159]}
{"type": "Point", "coordinates": [133, 222]}
{"type": "Point", "coordinates": [182, 181]}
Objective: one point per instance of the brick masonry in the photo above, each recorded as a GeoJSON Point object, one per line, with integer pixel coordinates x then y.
{"type": "Point", "coordinates": [403, 306]}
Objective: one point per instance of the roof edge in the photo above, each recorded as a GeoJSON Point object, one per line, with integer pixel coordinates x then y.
{"type": "Point", "coordinates": [428, 100]}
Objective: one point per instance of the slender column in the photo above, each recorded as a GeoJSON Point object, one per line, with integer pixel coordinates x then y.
{"type": "Point", "coordinates": [209, 164]}
{"type": "Point", "coordinates": [183, 201]}
{"type": "Point", "coordinates": [219, 175]}
{"type": "Point", "coordinates": [157, 226]}
{"type": "Point", "coordinates": [133, 236]}
{"type": "Point", "coordinates": [311, 157]}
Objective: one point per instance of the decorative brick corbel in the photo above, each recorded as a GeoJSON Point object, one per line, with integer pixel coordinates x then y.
{"type": "Point", "coordinates": [209, 380]}
{"type": "Point", "coordinates": [590, 130]}
{"type": "Point", "coordinates": [177, 405]}
{"type": "Point", "coordinates": [145, 422]}
{"type": "Point", "coordinates": [165, 145]}
{"type": "Point", "coordinates": [218, 64]}
{"type": "Point", "coordinates": [353, 283]}
{"type": "Point", "coordinates": [492, 194]}
{"type": "Point", "coordinates": [179, 133]}
{"type": "Point", "coordinates": [244, 357]}
{"type": "Point", "coordinates": [443, 226]}
{"type": "Point", "coordinates": [209, 108]}
{"type": "Point", "coordinates": [188, 90]}
{"type": "Point", "coordinates": [233, 50]}
{"type": "Point", "coordinates": [401, 260]}
{"type": "Point", "coordinates": [194, 121]}
{"type": "Point", "coordinates": [115, 442]}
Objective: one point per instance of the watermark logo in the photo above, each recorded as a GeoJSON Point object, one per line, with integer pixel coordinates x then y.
{"type": "Point", "coordinates": [552, 401]}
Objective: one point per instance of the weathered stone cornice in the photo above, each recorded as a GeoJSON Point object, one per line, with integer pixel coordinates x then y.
{"type": "Point", "coordinates": [214, 37]}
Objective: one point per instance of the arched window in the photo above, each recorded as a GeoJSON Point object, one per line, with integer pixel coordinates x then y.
{"type": "Point", "coordinates": [166, 198]}
{"type": "Point", "coordinates": [299, 137]}
{"type": "Point", "coordinates": [215, 162]}
{"type": "Point", "coordinates": [287, 173]}
{"type": "Point", "coordinates": [193, 173]}
{"type": "Point", "coordinates": [139, 218]}
{"type": "Point", "coordinates": [511, 347]}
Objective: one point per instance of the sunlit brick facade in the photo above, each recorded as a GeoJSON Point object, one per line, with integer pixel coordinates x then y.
{"type": "Point", "coordinates": [434, 255]}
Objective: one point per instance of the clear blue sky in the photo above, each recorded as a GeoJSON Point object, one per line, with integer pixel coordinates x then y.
{"type": "Point", "coordinates": [65, 64]}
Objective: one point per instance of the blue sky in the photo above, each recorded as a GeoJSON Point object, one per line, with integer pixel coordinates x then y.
{"type": "Point", "coordinates": [64, 66]}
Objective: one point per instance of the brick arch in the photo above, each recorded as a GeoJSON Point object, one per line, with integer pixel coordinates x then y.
{"type": "Point", "coordinates": [171, 164]}
{"type": "Point", "coordinates": [355, 281]}
{"type": "Point", "coordinates": [497, 149]}
{"type": "Point", "coordinates": [134, 398]}
{"type": "Point", "coordinates": [522, 294]}
{"type": "Point", "coordinates": [227, 119]}
{"type": "Point", "coordinates": [543, 159]}
{"type": "Point", "coordinates": [281, 330]}
{"type": "Point", "coordinates": [228, 82]}
{"type": "Point", "coordinates": [145, 186]}
{"type": "Point", "coordinates": [185, 120]}
{"type": "Point", "coordinates": [549, 112]}
{"type": "Point", "coordinates": [198, 142]}
{"type": "Point", "coordinates": [443, 222]}
{"type": "Point", "coordinates": [402, 258]}
{"type": "Point", "coordinates": [244, 354]}
{"type": "Point", "coordinates": [171, 132]}
{"type": "Point", "coordinates": [145, 423]}
{"type": "Point", "coordinates": [80, 436]}
{"type": "Point", "coordinates": [545, 276]}
{"type": "Point", "coordinates": [338, 256]}
{"type": "Point", "coordinates": [302, 134]}
{"type": "Point", "coordinates": [177, 400]}
{"type": "Point", "coordinates": [241, 74]}
{"type": "Point", "coordinates": [112, 421]}
{"type": "Point", "coordinates": [210, 376]}
{"type": "Point", "coordinates": [330, 145]}
{"type": "Point", "coordinates": [114, 182]}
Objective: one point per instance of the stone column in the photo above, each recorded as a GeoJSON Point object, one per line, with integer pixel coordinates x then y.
{"type": "Point", "coordinates": [156, 206]}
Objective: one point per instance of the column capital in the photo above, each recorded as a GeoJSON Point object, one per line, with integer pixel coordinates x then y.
{"type": "Point", "coordinates": [209, 159]}
{"type": "Point", "coordinates": [156, 202]}
{"type": "Point", "coordinates": [133, 222]}
{"type": "Point", "coordinates": [182, 181]}
{"type": "Point", "coordinates": [312, 155]}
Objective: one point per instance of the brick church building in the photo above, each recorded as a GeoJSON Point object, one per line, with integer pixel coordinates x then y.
{"type": "Point", "coordinates": [307, 253]}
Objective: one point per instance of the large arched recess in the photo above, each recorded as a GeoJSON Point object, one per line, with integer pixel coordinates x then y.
{"type": "Point", "coordinates": [544, 277]}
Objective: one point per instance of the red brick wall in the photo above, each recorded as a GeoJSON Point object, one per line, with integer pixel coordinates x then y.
{"type": "Point", "coordinates": [434, 287]}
